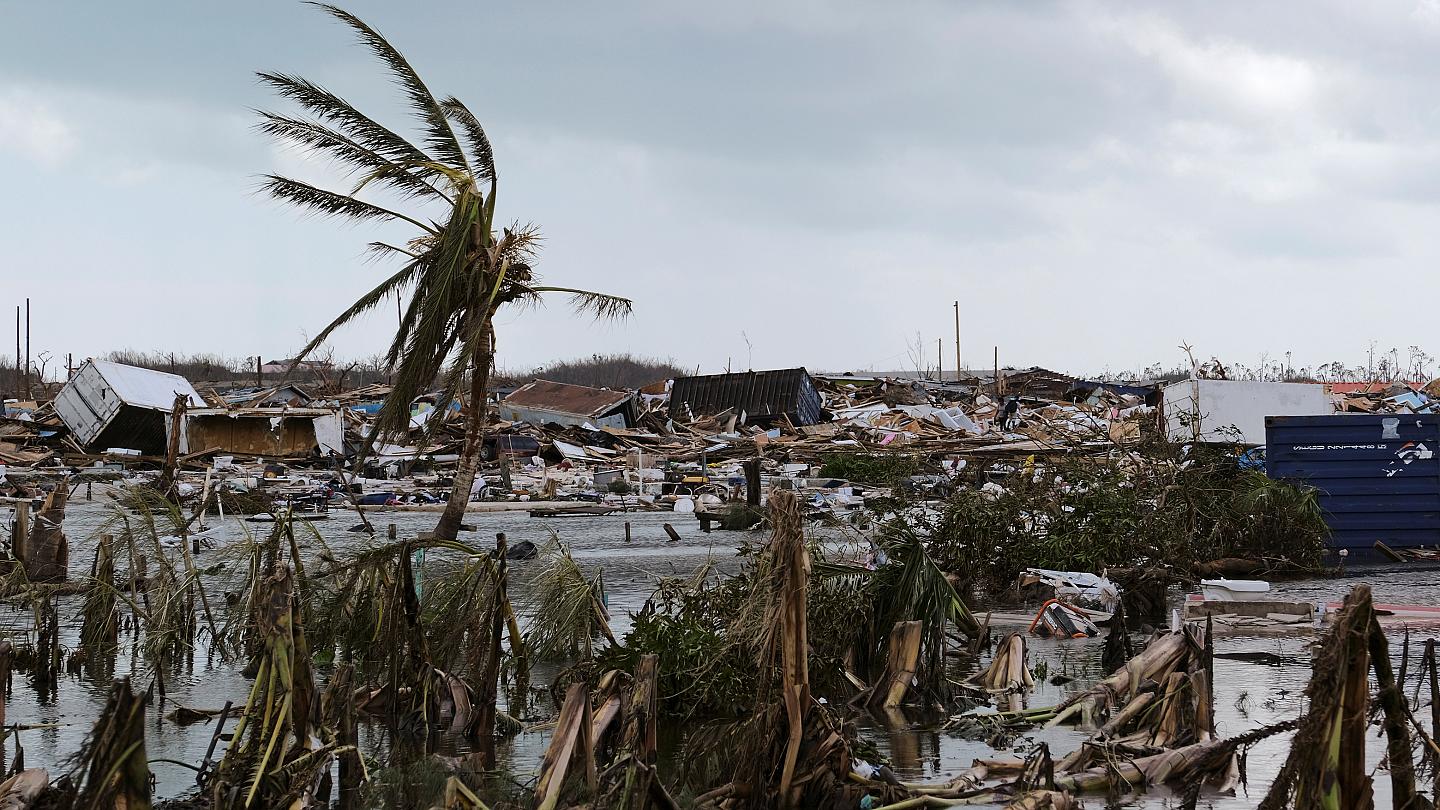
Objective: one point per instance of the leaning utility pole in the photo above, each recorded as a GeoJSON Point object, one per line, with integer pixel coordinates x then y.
{"type": "Point", "coordinates": [958, 365]}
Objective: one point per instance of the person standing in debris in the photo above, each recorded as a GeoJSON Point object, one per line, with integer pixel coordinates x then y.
{"type": "Point", "coordinates": [1010, 416]}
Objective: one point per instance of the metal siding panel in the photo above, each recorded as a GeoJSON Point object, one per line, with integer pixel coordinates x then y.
{"type": "Point", "coordinates": [762, 395]}
{"type": "Point", "coordinates": [1376, 476]}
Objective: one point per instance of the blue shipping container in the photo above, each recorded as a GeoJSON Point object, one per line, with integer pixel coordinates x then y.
{"type": "Point", "coordinates": [1377, 476]}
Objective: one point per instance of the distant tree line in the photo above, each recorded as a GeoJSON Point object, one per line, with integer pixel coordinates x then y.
{"type": "Point", "coordinates": [599, 371]}
{"type": "Point", "coordinates": [214, 370]}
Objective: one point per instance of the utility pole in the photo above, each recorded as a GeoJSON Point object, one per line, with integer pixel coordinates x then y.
{"type": "Point", "coordinates": [258, 383]}
{"type": "Point", "coordinates": [17, 351]}
{"type": "Point", "coordinates": [999, 388]}
{"type": "Point", "coordinates": [958, 365]}
{"type": "Point", "coordinates": [29, 394]}
{"type": "Point", "coordinates": [939, 360]}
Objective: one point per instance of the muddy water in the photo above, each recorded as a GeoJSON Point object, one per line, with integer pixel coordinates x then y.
{"type": "Point", "coordinates": [1249, 693]}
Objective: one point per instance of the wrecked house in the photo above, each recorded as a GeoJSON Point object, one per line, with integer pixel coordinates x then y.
{"type": "Point", "coordinates": [544, 402]}
{"type": "Point", "coordinates": [275, 432]}
{"type": "Point", "coordinates": [109, 405]}
{"type": "Point", "coordinates": [287, 395]}
{"type": "Point", "coordinates": [1037, 382]}
{"type": "Point", "coordinates": [755, 397]}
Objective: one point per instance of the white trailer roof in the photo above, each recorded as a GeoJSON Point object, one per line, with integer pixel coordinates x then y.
{"type": "Point", "coordinates": [144, 388]}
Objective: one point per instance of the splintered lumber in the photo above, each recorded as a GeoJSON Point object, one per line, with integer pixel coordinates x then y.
{"type": "Point", "coordinates": [572, 737]}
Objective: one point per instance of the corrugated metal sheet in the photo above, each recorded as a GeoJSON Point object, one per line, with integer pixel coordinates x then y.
{"type": "Point", "coordinates": [1377, 475]}
{"type": "Point", "coordinates": [761, 395]}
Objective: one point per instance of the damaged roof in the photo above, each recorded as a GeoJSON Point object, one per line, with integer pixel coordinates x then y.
{"type": "Point", "coordinates": [577, 400]}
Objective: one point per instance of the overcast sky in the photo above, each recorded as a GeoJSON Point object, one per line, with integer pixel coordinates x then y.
{"type": "Point", "coordinates": [1094, 182]}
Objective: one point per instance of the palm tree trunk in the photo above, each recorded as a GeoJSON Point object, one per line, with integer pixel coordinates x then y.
{"type": "Point", "coordinates": [476, 411]}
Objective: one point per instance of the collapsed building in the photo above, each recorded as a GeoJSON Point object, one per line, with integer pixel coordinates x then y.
{"type": "Point", "coordinates": [676, 439]}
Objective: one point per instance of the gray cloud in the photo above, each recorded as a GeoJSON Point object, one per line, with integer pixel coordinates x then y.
{"type": "Point", "coordinates": [1096, 181]}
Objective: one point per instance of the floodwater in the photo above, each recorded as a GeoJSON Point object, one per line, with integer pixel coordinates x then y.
{"type": "Point", "coordinates": [1264, 688]}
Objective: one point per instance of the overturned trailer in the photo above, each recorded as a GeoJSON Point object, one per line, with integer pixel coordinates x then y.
{"type": "Point", "coordinates": [109, 405]}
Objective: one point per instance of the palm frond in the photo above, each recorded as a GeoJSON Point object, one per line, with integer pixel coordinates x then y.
{"type": "Point", "coordinates": [381, 250]}
{"type": "Point", "coordinates": [329, 203]}
{"type": "Point", "coordinates": [479, 142]}
{"type": "Point", "coordinates": [364, 304]}
{"type": "Point", "coordinates": [351, 155]}
{"type": "Point", "coordinates": [567, 610]}
{"type": "Point", "coordinates": [600, 306]}
{"type": "Point", "coordinates": [439, 137]}
{"type": "Point", "coordinates": [332, 108]}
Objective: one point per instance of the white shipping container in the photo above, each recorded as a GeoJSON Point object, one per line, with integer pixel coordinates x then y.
{"type": "Point", "coordinates": [1235, 410]}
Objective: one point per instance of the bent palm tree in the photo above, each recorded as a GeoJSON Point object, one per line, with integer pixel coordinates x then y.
{"type": "Point", "coordinates": [457, 270]}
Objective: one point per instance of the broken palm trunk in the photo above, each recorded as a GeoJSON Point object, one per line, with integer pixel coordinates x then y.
{"type": "Point", "coordinates": [1008, 671]}
{"type": "Point", "coordinates": [274, 760]}
{"type": "Point", "coordinates": [639, 741]}
{"type": "Point", "coordinates": [112, 768]}
{"type": "Point", "coordinates": [1212, 763]}
{"type": "Point", "coordinates": [573, 738]}
{"type": "Point", "coordinates": [47, 551]}
{"type": "Point", "coordinates": [1326, 765]}
{"type": "Point", "coordinates": [791, 561]}
{"type": "Point", "coordinates": [1168, 653]}
{"type": "Point", "coordinates": [99, 628]}
{"type": "Point", "coordinates": [901, 664]}
{"type": "Point", "coordinates": [794, 754]}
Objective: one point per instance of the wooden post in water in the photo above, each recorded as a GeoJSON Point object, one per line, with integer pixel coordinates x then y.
{"type": "Point", "coordinates": [674, 535]}
{"type": "Point", "coordinates": [627, 531]}
{"type": "Point", "coordinates": [20, 542]}
{"type": "Point", "coordinates": [4, 682]}
{"type": "Point", "coordinates": [752, 482]}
